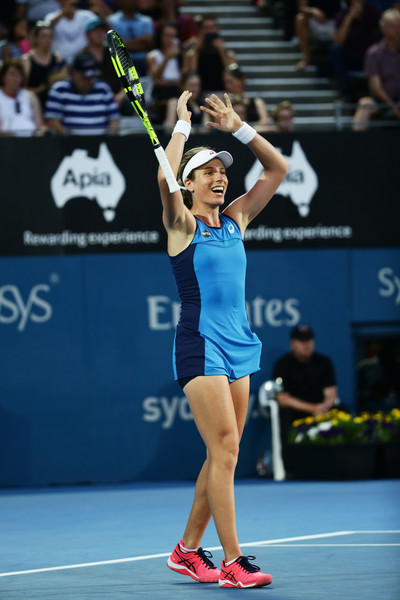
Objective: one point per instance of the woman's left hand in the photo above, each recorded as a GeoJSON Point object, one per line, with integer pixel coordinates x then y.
{"type": "Point", "coordinates": [225, 118]}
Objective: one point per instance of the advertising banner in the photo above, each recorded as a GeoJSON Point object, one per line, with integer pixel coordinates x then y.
{"type": "Point", "coordinates": [80, 195]}
{"type": "Point", "coordinates": [376, 286]}
{"type": "Point", "coordinates": [87, 391]}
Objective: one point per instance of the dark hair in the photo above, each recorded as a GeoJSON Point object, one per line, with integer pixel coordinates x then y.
{"type": "Point", "coordinates": [206, 17]}
{"type": "Point", "coordinates": [38, 27]}
{"type": "Point", "coordinates": [11, 29]}
{"type": "Point", "coordinates": [187, 196]}
{"type": "Point", "coordinates": [9, 64]}
{"type": "Point", "coordinates": [285, 105]}
{"type": "Point", "coordinates": [187, 74]}
{"type": "Point", "coordinates": [160, 31]}
{"type": "Point", "coordinates": [234, 70]}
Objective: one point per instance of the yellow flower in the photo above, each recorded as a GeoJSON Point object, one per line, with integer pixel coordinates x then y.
{"type": "Point", "coordinates": [358, 420]}
{"type": "Point", "coordinates": [345, 417]}
{"type": "Point", "coordinates": [335, 422]}
{"type": "Point", "coordinates": [309, 420]}
{"type": "Point", "coordinates": [298, 422]}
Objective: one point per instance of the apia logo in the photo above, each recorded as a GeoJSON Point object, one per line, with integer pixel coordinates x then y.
{"type": "Point", "coordinates": [390, 284]}
{"type": "Point", "coordinates": [98, 179]}
{"type": "Point", "coordinates": [300, 183]}
{"type": "Point", "coordinates": [14, 309]}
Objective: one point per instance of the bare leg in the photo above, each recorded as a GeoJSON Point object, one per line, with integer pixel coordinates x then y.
{"type": "Point", "coordinates": [365, 109]}
{"type": "Point", "coordinates": [200, 514]}
{"type": "Point", "coordinates": [303, 34]}
{"type": "Point", "coordinates": [219, 410]}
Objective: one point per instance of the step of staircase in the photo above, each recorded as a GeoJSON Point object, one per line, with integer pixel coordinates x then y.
{"type": "Point", "coordinates": [221, 10]}
{"type": "Point", "coordinates": [266, 59]}
{"type": "Point", "coordinates": [231, 36]}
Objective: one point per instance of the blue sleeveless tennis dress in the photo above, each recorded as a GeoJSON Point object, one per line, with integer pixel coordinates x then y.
{"type": "Point", "coordinates": [213, 336]}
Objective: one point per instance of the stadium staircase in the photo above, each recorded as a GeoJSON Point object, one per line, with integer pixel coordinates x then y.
{"type": "Point", "coordinates": [268, 63]}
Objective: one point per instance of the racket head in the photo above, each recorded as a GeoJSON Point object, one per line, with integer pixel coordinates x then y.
{"type": "Point", "coordinates": [129, 78]}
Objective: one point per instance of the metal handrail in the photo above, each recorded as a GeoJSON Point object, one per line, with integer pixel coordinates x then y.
{"type": "Point", "coordinates": [266, 398]}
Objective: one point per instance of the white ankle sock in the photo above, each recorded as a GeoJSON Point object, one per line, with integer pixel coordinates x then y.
{"type": "Point", "coordinates": [184, 549]}
{"type": "Point", "coordinates": [231, 561]}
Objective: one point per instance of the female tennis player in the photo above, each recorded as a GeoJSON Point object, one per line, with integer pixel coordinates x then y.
{"type": "Point", "coordinates": [215, 352]}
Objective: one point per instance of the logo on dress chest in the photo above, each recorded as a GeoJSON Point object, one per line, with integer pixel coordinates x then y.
{"type": "Point", "coordinates": [205, 233]}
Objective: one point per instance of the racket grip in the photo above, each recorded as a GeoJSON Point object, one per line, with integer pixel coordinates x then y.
{"type": "Point", "coordinates": [166, 169]}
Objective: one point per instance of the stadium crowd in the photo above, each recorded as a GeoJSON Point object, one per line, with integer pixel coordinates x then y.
{"type": "Point", "coordinates": [56, 75]}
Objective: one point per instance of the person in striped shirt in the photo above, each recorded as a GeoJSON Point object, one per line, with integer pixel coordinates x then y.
{"type": "Point", "coordinates": [83, 104]}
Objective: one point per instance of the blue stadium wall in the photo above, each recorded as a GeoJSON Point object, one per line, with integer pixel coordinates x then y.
{"type": "Point", "coordinates": [88, 304]}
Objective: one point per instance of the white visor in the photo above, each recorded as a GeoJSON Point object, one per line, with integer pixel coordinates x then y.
{"type": "Point", "coordinates": [203, 157]}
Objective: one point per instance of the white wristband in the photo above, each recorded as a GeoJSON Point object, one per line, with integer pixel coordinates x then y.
{"type": "Point", "coordinates": [182, 127]}
{"type": "Point", "coordinates": [245, 134]}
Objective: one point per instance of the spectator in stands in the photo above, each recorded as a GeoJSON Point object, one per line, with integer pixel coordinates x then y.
{"type": "Point", "coordinates": [149, 8]}
{"type": "Point", "coordinates": [191, 82]}
{"type": "Point", "coordinates": [234, 83]}
{"type": "Point", "coordinates": [68, 25]}
{"type": "Point", "coordinates": [308, 380]}
{"type": "Point", "coordinates": [42, 67]}
{"type": "Point", "coordinates": [136, 30]}
{"type": "Point", "coordinates": [169, 13]}
{"type": "Point", "coordinates": [382, 67]}
{"type": "Point", "coordinates": [240, 107]}
{"type": "Point", "coordinates": [314, 21]}
{"type": "Point", "coordinates": [20, 112]}
{"type": "Point", "coordinates": [35, 10]}
{"type": "Point", "coordinates": [283, 117]}
{"type": "Point", "coordinates": [356, 30]}
{"type": "Point", "coordinates": [283, 12]}
{"type": "Point", "coordinates": [7, 12]}
{"type": "Point", "coordinates": [209, 56]}
{"type": "Point", "coordinates": [378, 376]}
{"type": "Point", "coordinates": [17, 40]}
{"type": "Point", "coordinates": [96, 30]}
{"type": "Point", "coordinates": [82, 105]}
{"type": "Point", "coordinates": [164, 65]}
{"type": "Point", "coordinates": [102, 8]}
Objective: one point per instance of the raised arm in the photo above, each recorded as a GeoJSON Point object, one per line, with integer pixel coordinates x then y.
{"type": "Point", "coordinates": [177, 219]}
{"type": "Point", "coordinates": [247, 207]}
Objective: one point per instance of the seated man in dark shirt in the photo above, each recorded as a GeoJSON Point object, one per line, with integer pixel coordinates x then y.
{"type": "Point", "coordinates": [382, 67]}
{"type": "Point", "coordinates": [308, 381]}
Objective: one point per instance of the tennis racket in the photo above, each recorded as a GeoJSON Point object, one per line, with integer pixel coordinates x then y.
{"type": "Point", "coordinates": [126, 72]}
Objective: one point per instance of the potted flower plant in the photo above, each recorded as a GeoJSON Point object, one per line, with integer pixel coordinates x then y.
{"type": "Point", "coordinates": [337, 445]}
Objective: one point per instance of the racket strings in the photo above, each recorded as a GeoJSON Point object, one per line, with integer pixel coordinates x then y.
{"type": "Point", "coordinates": [123, 59]}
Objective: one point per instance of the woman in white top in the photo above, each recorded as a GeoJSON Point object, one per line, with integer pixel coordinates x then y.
{"type": "Point", "coordinates": [69, 29]}
{"type": "Point", "coordinates": [20, 112]}
{"type": "Point", "coordinates": [164, 65]}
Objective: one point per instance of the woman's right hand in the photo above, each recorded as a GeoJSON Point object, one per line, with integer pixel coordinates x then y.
{"type": "Point", "coordinates": [182, 110]}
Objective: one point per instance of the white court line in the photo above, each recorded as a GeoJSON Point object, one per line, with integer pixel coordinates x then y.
{"type": "Point", "coordinates": [328, 545]}
{"type": "Point", "coordinates": [165, 554]}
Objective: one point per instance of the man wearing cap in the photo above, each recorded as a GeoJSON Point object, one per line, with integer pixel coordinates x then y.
{"type": "Point", "coordinates": [82, 105]}
{"type": "Point", "coordinates": [308, 380]}
{"type": "Point", "coordinates": [96, 30]}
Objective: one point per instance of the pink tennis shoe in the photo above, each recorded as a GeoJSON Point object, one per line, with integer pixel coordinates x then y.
{"type": "Point", "coordinates": [242, 574]}
{"type": "Point", "coordinates": [195, 564]}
